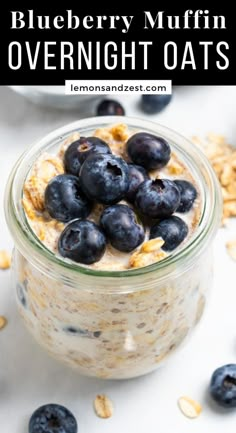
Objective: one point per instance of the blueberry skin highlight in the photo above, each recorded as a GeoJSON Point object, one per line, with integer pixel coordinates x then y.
{"type": "Point", "coordinates": [223, 386]}
{"type": "Point", "coordinates": [80, 149]}
{"type": "Point", "coordinates": [157, 198]}
{"type": "Point", "coordinates": [109, 107]}
{"type": "Point", "coordinates": [152, 104]}
{"type": "Point", "coordinates": [104, 178]}
{"type": "Point", "coordinates": [148, 150]}
{"type": "Point", "coordinates": [188, 195]}
{"type": "Point", "coordinates": [82, 241]}
{"type": "Point", "coordinates": [172, 230]}
{"type": "Point", "coordinates": [52, 418]}
{"type": "Point", "coordinates": [121, 227]}
{"type": "Point", "coordinates": [137, 175]}
{"type": "Point", "coordinates": [65, 200]}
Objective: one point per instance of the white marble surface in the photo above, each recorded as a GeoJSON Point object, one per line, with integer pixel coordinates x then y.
{"type": "Point", "coordinates": [29, 378]}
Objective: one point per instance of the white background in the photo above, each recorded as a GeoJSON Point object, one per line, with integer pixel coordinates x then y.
{"type": "Point", "coordinates": [29, 378]}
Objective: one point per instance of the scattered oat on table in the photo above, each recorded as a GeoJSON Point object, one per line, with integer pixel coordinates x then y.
{"type": "Point", "coordinates": [3, 322]}
{"type": "Point", "coordinates": [222, 157]}
{"type": "Point", "coordinates": [5, 260]}
{"type": "Point", "coordinates": [231, 248]}
{"type": "Point", "coordinates": [190, 408]}
{"type": "Point", "coordinates": [103, 406]}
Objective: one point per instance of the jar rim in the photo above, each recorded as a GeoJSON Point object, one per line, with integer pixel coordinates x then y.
{"type": "Point", "coordinates": [26, 240]}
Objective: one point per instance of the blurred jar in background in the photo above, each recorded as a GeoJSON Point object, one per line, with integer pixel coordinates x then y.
{"type": "Point", "coordinates": [54, 96]}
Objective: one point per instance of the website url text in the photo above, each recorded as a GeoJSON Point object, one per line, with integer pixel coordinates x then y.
{"type": "Point", "coordinates": [117, 87]}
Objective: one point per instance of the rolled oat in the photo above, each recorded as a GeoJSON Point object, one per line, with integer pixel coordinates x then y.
{"type": "Point", "coordinates": [103, 406]}
{"type": "Point", "coordinates": [189, 407]}
{"type": "Point", "coordinates": [149, 253]}
{"type": "Point", "coordinates": [231, 248]}
{"type": "Point", "coordinates": [43, 171]}
{"type": "Point", "coordinates": [153, 245]}
{"type": "Point", "coordinates": [3, 322]}
{"type": "Point", "coordinates": [5, 260]}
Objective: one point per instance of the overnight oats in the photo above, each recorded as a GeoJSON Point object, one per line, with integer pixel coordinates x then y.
{"type": "Point", "coordinates": [113, 221]}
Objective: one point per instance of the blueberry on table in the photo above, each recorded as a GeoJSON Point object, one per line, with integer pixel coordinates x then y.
{"type": "Point", "coordinates": [82, 241]}
{"type": "Point", "coordinates": [172, 230]}
{"type": "Point", "coordinates": [137, 175]}
{"type": "Point", "coordinates": [80, 149]}
{"type": "Point", "coordinates": [65, 200]}
{"type": "Point", "coordinates": [148, 150]}
{"type": "Point", "coordinates": [152, 104]}
{"type": "Point", "coordinates": [157, 198]}
{"type": "Point", "coordinates": [188, 194]}
{"type": "Point", "coordinates": [223, 385]}
{"type": "Point", "coordinates": [52, 418]}
{"type": "Point", "coordinates": [104, 178]}
{"type": "Point", "coordinates": [109, 107]}
{"type": "Point", "coordinates": [122, 228]}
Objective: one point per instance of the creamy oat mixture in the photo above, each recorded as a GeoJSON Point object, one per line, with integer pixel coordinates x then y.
{"type": "Point", "coordinates": [120, 334]}
{"type": "Point", "coordinates": [48, 229]}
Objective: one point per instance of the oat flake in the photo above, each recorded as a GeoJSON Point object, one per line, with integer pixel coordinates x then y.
{"type": "Point", "coordinates": [5, 260]}
{"type": "Point", "coordinates": [103, 406]}
{"type": "Point", "coordinates": [231, 248]}
{"type": "Point", "coordinates": [3, 322]}
{"type": "Point", "coordinates": [190, 408]}
{"type": "Point", "coordinates": [152, 245]}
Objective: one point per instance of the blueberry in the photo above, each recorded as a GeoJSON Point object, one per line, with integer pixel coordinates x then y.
{"type": "Point", "coordinates": [104, 178]}
{"type": "Point", "coordinates": [122, 228]}
{"type": "Point", "coordinates": [172, 230]}
{"type": "Point", "coordinates": [157, 198]}
{"type": "Point", "coordinates": [52, 418]}
{"type": "Point", "coordinates": [152, 104]}
{"type": "Point", "coordinates": [82, 241]}
{"type": "Point", "coordinates": [21, 294]}
{"type": "Point", "coordinates": [137, 175]}
{"type": "Point", "coordinates": [188, 194]}
{"type": "Point", "coordinates": [148, 150]}
{"type": "Point", "coordinates": [80, 149]}
{"type": "Point", "coordinates": [65, 200]}
{"type": "Point", "coordinates": [79, 332]}
{"type": "Point", "coordinates": [97, 334]}
{"type": "Point", "coordinates": [223, 385]}
{"type": "Point", "coordinates": [72, 330]}
{"type": "Point", "coordinates": [109, 107]}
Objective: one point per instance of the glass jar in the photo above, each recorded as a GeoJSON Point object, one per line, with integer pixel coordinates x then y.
{"type": "Point", "coordinates": [118, 324]}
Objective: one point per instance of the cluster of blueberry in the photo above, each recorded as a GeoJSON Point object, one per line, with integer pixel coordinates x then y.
{"type": "Point", "coordinates": [95, 175]}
